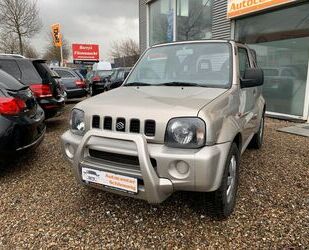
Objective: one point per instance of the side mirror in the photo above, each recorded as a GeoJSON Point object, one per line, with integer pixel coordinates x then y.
{"type": "Point", "coordinates": [253, 77]}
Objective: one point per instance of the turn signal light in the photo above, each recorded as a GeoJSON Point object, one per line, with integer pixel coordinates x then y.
{"type": "Point", "coordinates": [11, 106]}
{"type": "Point", "coordinates": [41, 90]}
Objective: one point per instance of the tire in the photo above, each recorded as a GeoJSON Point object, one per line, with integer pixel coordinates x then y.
{"type": "Point", "coordinates": [90, 90]}
{"type": "Point", "coordinates": [220, 204]}
{"type": "Point", "coordinates": [257, 139]}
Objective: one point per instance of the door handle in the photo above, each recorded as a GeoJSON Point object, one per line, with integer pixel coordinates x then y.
{"type": "Point", "coordinates": [254, 92]}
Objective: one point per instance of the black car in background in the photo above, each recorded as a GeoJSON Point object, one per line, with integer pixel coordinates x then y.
{"type": "Point", "coordinates": [73, 82]}
{"type": "Point", "coordinates": [21, 118]}
{"type": "Point", "coordinates": [36, 74]}
{"type": "Point", "coordinates": [98, 81]}
{"type": "Point", "coordinates": [81, 71]}
{"type": "Point", "coordinates": [118, 77]}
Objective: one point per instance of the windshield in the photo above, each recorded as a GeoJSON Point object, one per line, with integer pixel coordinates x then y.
{"type": "Point", "coordinates": [103, 73]}
{"type": "Point", "coordinates": [196, 64]}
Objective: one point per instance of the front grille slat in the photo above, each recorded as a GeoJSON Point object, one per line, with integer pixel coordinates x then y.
{"type": "Point", "coordinates": [96, 121]}
{"type": "Point", "coordinates": [135, 126]}
{"type": "Point", "coordinates": [150, 128]}
{"type": "Point", "coordinates": [108, 122]}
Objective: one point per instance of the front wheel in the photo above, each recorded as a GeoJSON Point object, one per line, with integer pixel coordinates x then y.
{"type": "Point", "coordinates": [221, 203]}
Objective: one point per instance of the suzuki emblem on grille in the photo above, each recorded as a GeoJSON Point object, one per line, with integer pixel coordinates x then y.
{"type": "Point", "coordinates": [120, 126]}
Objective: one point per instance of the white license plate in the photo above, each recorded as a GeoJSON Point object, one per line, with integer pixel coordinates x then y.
{"type": "Point", "coordinates": [110, 180]}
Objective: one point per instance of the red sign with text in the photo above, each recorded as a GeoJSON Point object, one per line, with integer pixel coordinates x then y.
{"type": "Point", "coordinates": [85, 52]}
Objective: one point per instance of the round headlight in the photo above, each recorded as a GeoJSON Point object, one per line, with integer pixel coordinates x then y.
{"type": "Point", "coordinates": [185, 133]}
{"type": "Point", "coordinates": [182, 132]}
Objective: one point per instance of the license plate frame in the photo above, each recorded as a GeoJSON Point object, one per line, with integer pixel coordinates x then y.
{"type": "Point", "coordinates": [110, 180]}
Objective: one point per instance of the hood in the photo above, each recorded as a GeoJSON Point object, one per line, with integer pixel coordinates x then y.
{"type": "Point", "coordinates": [150, 103]}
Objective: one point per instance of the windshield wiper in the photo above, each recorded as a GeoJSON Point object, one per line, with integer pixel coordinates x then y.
{"type": "Point", "coordinates": [138, 84]}
{"type": "Point", "coordinates": [189, 84]}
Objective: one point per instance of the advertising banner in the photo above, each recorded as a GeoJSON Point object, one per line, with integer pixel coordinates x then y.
{"type": "Point", "coordinates": [238, 8]}
{"type": "Point", "coordinates": [57, 38]}
{"type": "Point", "coordinates": [85, 52]}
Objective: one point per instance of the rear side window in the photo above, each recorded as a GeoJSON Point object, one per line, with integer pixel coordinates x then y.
{"type": "Point", "coordinates": [44, 72]}
{"type": "Point", "coordinates": [64, 73]}
{"type": "Point", "coordinates": [11, 67]}
{"type": "Point", "coordinates": [9, 81]}
{"type": "Point", "coordinates": [29, 75]}
{"type": "Point", "coordinates": [243, 61]}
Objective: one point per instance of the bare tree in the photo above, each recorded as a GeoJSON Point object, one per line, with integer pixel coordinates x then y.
{"type": "Point", "coordinates": [9, 44]}
{"type": "Point", "coordinates": [125, 52]}
{"type": "Point", "coordinates": [20, 17]}
{"type": "Point", "coordinates": [30, 51]}
{"type": "Point", "coordinates": [53, 53]}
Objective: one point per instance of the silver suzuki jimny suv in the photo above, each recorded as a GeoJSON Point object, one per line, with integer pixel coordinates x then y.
{"type": "Point", "coordinates": [180, 122]}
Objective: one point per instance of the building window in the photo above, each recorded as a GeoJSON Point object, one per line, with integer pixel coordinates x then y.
{"type": "Point", "coordinates": [281, 41]}
{"type": "Point", "coordinates": [161, 22]}
{"type": "Point", "coordinates": [193, 19]}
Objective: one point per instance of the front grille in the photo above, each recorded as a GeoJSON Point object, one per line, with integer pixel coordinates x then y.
{"type": "Point", "coordinates": [96, 121]}
{"type": "Point", "coordinates": [118, 158]}
{"type": "Point", "coordinates": [150, 128]}
{"type": "Point", "coordinates": [135, 126]}
{"type": "Point", "coordinates": [108, 123]}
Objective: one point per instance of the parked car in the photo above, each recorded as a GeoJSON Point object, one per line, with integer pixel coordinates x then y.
{"type": "Point", "coordinates": [81, 71]}
{"type": "Point", "coordinates": [36, 74]}
{"type": "Point", "coordinates": [98, 81]}
{"type": "Point", "coordinates": [180, 122]}
{"type": "Point", "coordinates": [117, 78]}
{"type": "Point", "coordinates": [74, 83]}
{"type": "Point", "coordinates": [21, 118]}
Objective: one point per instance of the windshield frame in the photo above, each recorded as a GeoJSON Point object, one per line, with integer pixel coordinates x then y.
{"type": "Point", "coordinates": [227, 42]}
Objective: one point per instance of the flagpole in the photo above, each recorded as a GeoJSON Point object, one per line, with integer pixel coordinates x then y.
{"type": "Point", "coordinates": [61, 57]}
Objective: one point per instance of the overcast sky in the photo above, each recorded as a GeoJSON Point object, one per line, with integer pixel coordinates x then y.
{"type": "Point", "coordinates": [89, 21]}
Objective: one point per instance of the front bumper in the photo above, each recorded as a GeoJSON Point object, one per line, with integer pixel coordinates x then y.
{"type": "Point", "coordinates": [198, 170]}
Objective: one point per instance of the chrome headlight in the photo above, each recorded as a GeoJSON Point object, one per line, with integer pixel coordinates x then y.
{"type": "Point", "coordinates": [185, 133]}
{"type": "Point", "coordinates": [77, 122]}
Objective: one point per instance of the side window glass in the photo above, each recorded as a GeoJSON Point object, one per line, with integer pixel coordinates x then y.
{"type": "Point", "coordinates": [11, 67]}
{"type": "Point", "coordinates": [64, 73]}
{"type": "Point", "coordinates": [243, 61]}
{"type": "Point", "coordinates": [120, 76]}
{"type": "Point", "coordinates": [29, 73]}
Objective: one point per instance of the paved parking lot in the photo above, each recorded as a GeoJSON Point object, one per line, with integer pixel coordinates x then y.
{"type": "Point", "coordinates": [41, 204]}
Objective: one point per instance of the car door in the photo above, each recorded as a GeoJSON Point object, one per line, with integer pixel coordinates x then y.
{"type": "Point", "coordinates": [248, 97]}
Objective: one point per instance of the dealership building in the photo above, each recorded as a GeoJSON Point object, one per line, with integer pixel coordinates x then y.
{"type": "Point", "coordinates": [278, 30]}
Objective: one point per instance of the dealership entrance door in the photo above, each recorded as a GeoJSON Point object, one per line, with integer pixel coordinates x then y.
{"type": "Point", "coordinates": [281, 41]}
